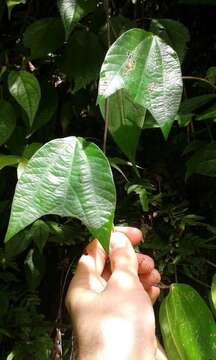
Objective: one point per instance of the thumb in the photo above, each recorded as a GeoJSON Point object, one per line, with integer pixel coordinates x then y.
{"type": "Point", "coordinates": [123, 259]}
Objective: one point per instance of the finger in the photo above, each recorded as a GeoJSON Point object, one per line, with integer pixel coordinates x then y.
{"type": "Point", "coordinates": [123, 261]}
{"type": "Point", "coordinates": [97, 252]}
{"type": "Point", "coordinates": [80, 287]}
{"type": "Point", "coordinates": [153, 293]}
{"type": "Point", "coordinates": [151, 279]}
{"type": "Point", "coordinates": [134, 235]}
{"type": "Point", "coordinates": [89, 269]}
{"type": "Point", "coordinates": [145, 263]}
{"type": "Point", "coordinates": [145, 266]}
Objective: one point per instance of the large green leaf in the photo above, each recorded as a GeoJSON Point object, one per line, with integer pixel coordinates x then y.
{"type": "Point", "coordinates": [125, 121]}
{"type": "Point", "coordinates": [203, 161]}
{"type": "Point", "coordinates": [149, 70]}
{"type": "Point", "coordinates": [187, 325]}
{"type": "Point", "coordinates": [85, 66]}
{"type": "Point", "coordinates": [66, 177]}
{"type": "Point", "coordinates": [24, 87]}
{"type": "Point", "coordinates": [44, 36]}
{"type": "Point", "coordinates": [7, 121]}
{"type": "Point", "coordinates": [72, 11]}
{"type": "Point", "coordinates": [173, 33]}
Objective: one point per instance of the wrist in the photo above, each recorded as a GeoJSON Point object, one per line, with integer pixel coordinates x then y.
{"type": "Point", "coordinates": [116, 340]}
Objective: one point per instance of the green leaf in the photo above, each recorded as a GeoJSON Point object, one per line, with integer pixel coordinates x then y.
{"type": "Point", "coordinates": [208, 114]}
{"type": "Point", "coordinates": [72, 11]}
{"type": "Point", "coordinates": [24, 87]}
{"type": "Point", "coordinates": [18, 243]}
{"type": "Point", "coordinates": [44, 36]}
{"type": "Point", "coordinates": [12, 3]}
{"type": "Point", "coordinates": [85, 66]}
{"type": "Point", "coordinates": [213, 293]}
{"type": "Point", "coordinates": [7, 121]}
{"type": "Point", "coordinates": [73, 178]}
{"type": "Point", "coordinates": [173, 33]}
{"type": "Point", "coordinates": [47, 107]}
{"type": "Point", "coordinates": [203, 161]}
{"type": "Point", "coordinates": [149, 70]}
{"type": "Point", "coordinates": [194, 103]}
{"type": "Point", "coordinates": [34, 268]}
{"type": "Point", "coordinates": [27, 154]}
{"type": "Point", "coordinates": [11, 356]}
{"type": "Point", "coordinates": [187, 325]}
{"type": "Point", "coordinates": [211, 75]}
{"type": "Point", "coordinates": [184, 119]}
{"type": "Point", "coordinates": [118, 25]}
{"type": "Point", "coordinates": [125, 121]}
{"type": "Point", "coordinates": [8, 160]}
{"type": "Point", "coordinates": [143, 195]}
{"type": "Point", "coordinates": [40, 234]}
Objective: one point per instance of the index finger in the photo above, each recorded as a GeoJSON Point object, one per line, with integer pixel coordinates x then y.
{"type": "Point", "coordinates": [134, 235]}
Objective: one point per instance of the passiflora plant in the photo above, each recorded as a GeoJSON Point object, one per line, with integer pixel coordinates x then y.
{"type": "Point", "coordinates": [140, 79]}
{"type": "Point", "coordinates": [72, 177]}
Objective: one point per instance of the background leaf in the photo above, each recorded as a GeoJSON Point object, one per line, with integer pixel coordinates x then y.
{"type": "Point", "coordinates": [203, 161]}
{"type": "Point", "coordinates": [187, 324]}
{"type": "Point", "coordinates": [8, 160]}
{"type": "Point", "coordinates": [34, 268]}
{"type": "Point", "coordinates": [44, 36]}
{"type": "Point", "coordinates": [47, 107]}
{"type": "Point", "coordinates": [125, 121]}
{"type": "Point", "coordinates": [85, 66]}
{"type": "Point", "coordinates": [25, 88]}
{"type": "Point", "coordinates": [7, 121]}
{"type": "Point", "coordinates": [208, 114]}
{"type": "Point", "coordinates": [12, 3]}
{"type": "Point", "coordinates": [196, 102]}
{"type": "Point", "coordinates": [173, 33]}
{"type": "Point", "coordinates": [149, 70]}
{"type": "Point", "coordinates": [73, 178]}
{"type": "Point", "coordinates": [72, 11]}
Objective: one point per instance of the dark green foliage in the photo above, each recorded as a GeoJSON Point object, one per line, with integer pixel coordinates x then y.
{"type": "Point", "coordinates": [51, 54]}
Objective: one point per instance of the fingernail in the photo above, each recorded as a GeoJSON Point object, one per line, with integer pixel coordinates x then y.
{"type": "Point", "coordinates": [117, 241]}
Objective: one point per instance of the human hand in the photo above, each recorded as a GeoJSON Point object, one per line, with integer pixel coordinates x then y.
{"type": "Point", "coordinates": [148, 275]}
{"type": "Point", "coordinates": [112, 313]}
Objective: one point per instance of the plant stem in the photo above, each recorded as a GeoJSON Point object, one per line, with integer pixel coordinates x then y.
{"type": "Point", "coordinates": [199, 79]}
{"type": "Point", "coordinates": [211, 263]}
{"type": "Point", "coordinates": [136, 170]}
{"type": "Point", "coordinates": [108, 12]}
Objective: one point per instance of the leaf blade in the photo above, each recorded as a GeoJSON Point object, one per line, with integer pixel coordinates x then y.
{"type": "Point", "coordinates": [24, 87]}
{"type": "Point", "coordinates": [73, 179]}
{"type": "Point", "coordinates": [72, 11]}
{"type": "Point", "coordinates": [7, 121]}
{"type": "Point", "coordinates": [149, 70]}
{"type": "Point", "coordinates": [187, 321]}
{"type": "Point", "coordinates": [125, 121]}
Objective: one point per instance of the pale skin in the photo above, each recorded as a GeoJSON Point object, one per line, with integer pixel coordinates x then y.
{"type": "Point", "coordinates": [110, 301]}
